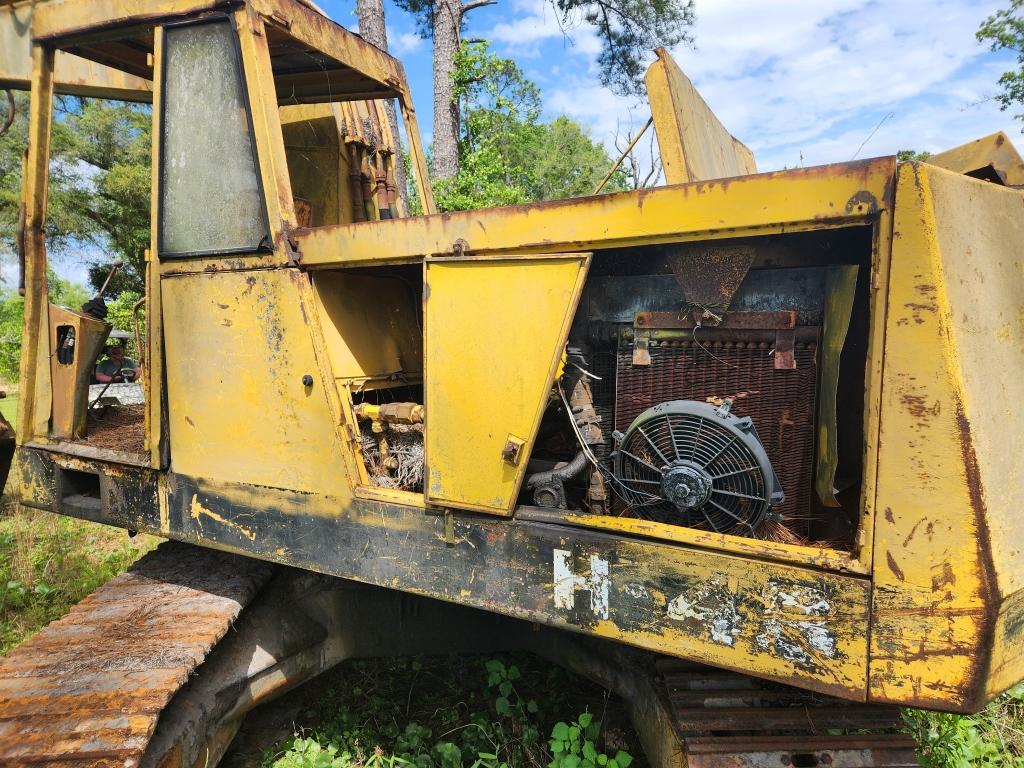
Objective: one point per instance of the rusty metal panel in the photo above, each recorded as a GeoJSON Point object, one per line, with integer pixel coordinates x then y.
{"type": "Point", "coordinates": [72, 74]}
{"type": "Point", "coordinates": [495, 333]}
{"type": "Point", "coordinates": [728, 720]}
{"type": "Point", "coordinates": [947, 542]}
{"type": "Point", "coordinates": [802, 199]}
{"type": "Point", "coordinates": [991, 157]}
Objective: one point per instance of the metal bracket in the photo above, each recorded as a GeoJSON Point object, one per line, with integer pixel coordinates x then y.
{"type": "Point", "coordinates": [641, 343]}
{"type": "Point", "coordinates": [785, 356]}
{"type": "Point", "coordinates": [513, 450]}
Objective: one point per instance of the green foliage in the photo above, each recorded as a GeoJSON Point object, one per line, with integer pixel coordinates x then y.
{"type": "Point", "coordinates": [574, 745]}
{"type": "Point", "coordinates": [119, 314]}
{"type": "Point", "coordinates": [12, 315]}
{"type": "Point", "coordinates": [629, 30]}
{"type": "Point", "coordinates": [910, 155]}
{"type": "Point", "coordinates": [571, 164]}
{"type": "Point", "coordinates": [507, 156]}
{"type": "Point", "coordinates": [441, 712]}
{"type": "Point", "coordinates": [99, 187]}
{"type": "Point", "coordinates": [49, 562]}
{"type": "Point", "coordinates": [62, 292]}
{"type": "Point", "coordinates": [992, 738]}
{"type": "Point", "coordinates": [1004, 31]}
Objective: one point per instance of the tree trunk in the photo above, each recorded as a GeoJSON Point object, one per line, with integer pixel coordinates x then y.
{"type": "Point", "coordinates": [373, 31]}
{"type": "Point", "coordinates": [447, 29]}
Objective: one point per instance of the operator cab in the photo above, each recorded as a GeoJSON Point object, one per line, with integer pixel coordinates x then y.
{"type": "Point", "coordinates": [262, 120]}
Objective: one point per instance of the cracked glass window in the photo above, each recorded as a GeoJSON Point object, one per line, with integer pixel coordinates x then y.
{"type": "Point", "coordinates": [210, 193]}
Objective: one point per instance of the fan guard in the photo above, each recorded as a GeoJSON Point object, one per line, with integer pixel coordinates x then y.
{"type": "Point", "coordinates": [697, 465]}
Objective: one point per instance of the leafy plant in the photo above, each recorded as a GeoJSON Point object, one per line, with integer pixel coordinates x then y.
{"type": "Point", "coordinates": [1004, 31]}
{"type": "Point", "coordinates": [438, 712]}
{"type": "Point", "coordinates": [574, 745]}
{"type": "Point", "coordinates": [49, 562]}
{"type": "Point", "coordinates": [992, 738]}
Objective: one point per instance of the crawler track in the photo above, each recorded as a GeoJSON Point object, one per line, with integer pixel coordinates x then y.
{"type": "Point", "coordinates": [727, 720]}
{"type": "Point", "coordinates": [88, 690]}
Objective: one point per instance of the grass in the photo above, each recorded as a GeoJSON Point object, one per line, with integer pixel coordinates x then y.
{"type": "Point", "coordinates": [504, 711]}
{"type": "Point", "coordinates": [49, 562]}
{"type": "Point", "coordinates": [9, 404]}
{"type": "Point", "coordinates": [992, 738]}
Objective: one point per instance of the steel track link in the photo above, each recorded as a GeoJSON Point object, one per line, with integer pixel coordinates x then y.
{"type": "Point", "coordinates": [88, 689]}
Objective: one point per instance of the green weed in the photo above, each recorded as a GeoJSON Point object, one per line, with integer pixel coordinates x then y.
{"type": "Point", "coordinates": [49, 562]}
{"type": "Point", "coordinates": [992, 738]}
{"type": "Point", "coordinates": [453, 712]}
{"type": "Point", "coordinates": [575, 746]}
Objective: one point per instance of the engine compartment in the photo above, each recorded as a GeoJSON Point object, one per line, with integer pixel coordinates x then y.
{"type": "Point", "coordinates": [715, 385]}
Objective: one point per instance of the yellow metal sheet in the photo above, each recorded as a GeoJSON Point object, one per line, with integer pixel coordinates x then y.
{"type": "Point", "coordinates": [764, 619]}
{"type": "Point", "coordinates": [495, 331]}
{"type": "Point", "coordinates": [73, 74]}
{"type": "Point", "coordinates": [371, 325]}
{"type": "Point", "coordinates": [797, 200]}
{"type": "Point", "coordinates": [947, 567]}
{"type": "Point", "coordinates": [694, 144]}
{"type": "Point", "coordinates": [992, 155]}
{"type": "Point", "coordinates": [237, 348]}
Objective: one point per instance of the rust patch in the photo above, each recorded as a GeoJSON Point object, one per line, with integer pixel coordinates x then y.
{"type": "Point", "coordinates": [986, 566]}
{"type": "Point", "coordinates": [913, 530]}
{"type": "Point", "coordinates": [918, 407]}
{"type": "Point", "coordinates": [862, 203]}
{"type": "Point", "coordinates": [894, 567]}
{"type": "Point", "coordinates": [926, 289]}
{"type": "Point", "coordinates": [943, 577]}
{"type": "Point", "coordinates": [888, 515]}
{"type": "Point", "coordinates": [916, 310]}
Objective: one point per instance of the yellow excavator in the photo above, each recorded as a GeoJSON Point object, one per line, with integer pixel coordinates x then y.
{"type": "Point", "coordinates": [748, 437]}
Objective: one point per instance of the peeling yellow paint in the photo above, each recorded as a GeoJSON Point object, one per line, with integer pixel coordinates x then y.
{"type": "Point", "coordinates": [197, 511]}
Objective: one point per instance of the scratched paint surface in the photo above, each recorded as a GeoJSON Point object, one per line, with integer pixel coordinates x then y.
{"type": "Point", "coordinates": [719, 609]}
{"type": "Point", "coordinates": [237, 349]}
{"type": "Point", "coordinates": [949, 490]}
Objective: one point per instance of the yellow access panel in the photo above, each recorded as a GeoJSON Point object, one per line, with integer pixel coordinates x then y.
{"type": "Point", "coordinates": [495, 331]}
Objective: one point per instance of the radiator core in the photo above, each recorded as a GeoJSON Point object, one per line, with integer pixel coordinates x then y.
{"type": "Point", "coordinates": [780, 402]}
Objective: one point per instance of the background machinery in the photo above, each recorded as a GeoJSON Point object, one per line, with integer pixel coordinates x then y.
{"type": "Point", "coordinates": [751, 421]}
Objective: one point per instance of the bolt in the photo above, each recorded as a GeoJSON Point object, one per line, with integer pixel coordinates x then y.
{"type": "Point", "coordinates": [307, 380]}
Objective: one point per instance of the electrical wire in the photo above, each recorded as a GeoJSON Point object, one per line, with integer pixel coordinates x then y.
{"type": "Point", "coordinates": [625, 493]}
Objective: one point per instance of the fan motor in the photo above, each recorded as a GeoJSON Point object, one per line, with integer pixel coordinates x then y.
{"type": "Point", "coordinates": [698, 465]}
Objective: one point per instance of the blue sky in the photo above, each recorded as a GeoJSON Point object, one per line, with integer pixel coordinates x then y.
{"type": "Point", "coordinates": [801, 83]}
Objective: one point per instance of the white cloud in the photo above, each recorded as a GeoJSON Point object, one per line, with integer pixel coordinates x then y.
{"type": "Point", "coordinates": [537, 22]}
{"type": "Point", "coordinates": [793, 78]}
{"type": "Point", "coordinates": [404, 43]}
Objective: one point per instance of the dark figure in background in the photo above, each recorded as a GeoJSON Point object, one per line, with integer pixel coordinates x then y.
{"type": "Point", "coordinates": [116, 367]}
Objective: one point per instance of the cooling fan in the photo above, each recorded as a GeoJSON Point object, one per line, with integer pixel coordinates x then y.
{"type": "Point", "coordinates": [697, 465]}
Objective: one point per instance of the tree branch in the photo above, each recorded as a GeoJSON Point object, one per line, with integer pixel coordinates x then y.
{"type": "Point", "coordinates": [474, 4]}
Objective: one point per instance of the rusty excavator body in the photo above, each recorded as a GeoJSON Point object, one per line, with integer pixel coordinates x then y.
{"type": "Point", "coordinates": [749, 437]}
